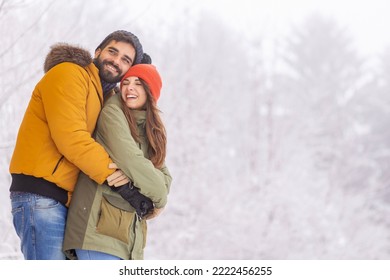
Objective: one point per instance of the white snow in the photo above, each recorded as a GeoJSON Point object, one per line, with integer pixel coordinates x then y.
{"type": "Point", "coordinates": [267, 162]}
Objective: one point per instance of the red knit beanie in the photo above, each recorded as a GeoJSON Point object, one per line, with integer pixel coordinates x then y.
{"type": "Point", "coordinates": [149, 74]}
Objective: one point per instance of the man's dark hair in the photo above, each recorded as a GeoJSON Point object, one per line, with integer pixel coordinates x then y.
{"type": "Point", "coordinates": [127, 37]}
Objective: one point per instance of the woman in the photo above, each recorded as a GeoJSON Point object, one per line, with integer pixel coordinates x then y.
{"type": "Point", "coordinates": [102, 224]}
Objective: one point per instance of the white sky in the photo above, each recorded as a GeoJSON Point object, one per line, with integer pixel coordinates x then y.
{"type": "Point", "coordinates": [367, 20]}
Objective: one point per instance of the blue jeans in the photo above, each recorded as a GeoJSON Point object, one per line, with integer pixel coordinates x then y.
{"type": "Point", "coordinates": [94, 255]}
{"type": "Point", "coordinates": [40, 224]}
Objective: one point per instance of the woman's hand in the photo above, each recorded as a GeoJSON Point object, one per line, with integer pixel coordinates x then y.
{"type": "Point", "coordinates": [155, 213]}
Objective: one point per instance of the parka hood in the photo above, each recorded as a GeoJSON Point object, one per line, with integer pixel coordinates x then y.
{"type": "Point", "coordinates": [63, 52]}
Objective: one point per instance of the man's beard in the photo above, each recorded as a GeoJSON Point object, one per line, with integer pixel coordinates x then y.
{"type": "Point", "coordinates": [106, 75]}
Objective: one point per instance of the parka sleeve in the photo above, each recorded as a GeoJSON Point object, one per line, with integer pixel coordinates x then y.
{"type": "Point", "coordinates": [64, 93]}
{"type": "Point", "coordinates": [114, 134]}
{"type": "Point", "coordinates": [167, 177]}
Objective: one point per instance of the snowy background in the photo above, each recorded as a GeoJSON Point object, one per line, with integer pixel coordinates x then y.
{"type": "Point", "coordinates": [278, 117]}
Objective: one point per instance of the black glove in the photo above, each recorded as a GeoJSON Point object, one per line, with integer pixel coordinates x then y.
{"type": "Point", "coordinates": [143, 205]}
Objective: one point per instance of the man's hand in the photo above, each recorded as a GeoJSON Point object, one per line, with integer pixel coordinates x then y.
{"type": "Point", "coordinates": [118, 178]}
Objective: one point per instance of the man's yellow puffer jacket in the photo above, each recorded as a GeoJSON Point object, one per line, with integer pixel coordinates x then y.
{"type": "Point", "coordinates": [54, 140]}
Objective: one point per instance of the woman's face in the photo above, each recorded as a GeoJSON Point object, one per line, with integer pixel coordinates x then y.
{"type": "Point", "coordinates": [133, 93]}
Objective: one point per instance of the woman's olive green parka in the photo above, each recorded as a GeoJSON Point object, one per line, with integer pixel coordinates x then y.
{"type": "Point", "coordinates": [100, 219]}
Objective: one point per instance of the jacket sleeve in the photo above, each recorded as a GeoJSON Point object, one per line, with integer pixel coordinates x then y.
{"type": "Point", "coordinates": [167, 177]}
{"type": "Point", "coordinates": [114, 134]}
{"type": "Point", "coordinates": [64, 93]}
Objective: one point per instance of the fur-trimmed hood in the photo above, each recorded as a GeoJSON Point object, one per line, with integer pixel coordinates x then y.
{"type": "Point", "coordinates": [63, 52]}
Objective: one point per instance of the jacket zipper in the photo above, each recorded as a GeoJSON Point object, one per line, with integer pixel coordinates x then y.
{"type": "Point", "coordinates": [134, 230]}
{"type": "Point", "coordinates": [58, 163]}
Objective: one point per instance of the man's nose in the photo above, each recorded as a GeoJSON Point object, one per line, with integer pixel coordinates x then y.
{"type": "Point", "coordinates": [115, 61]}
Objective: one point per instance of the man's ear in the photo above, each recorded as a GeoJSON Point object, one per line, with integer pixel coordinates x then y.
{"type": "Point", "coordinates": [97, 52]}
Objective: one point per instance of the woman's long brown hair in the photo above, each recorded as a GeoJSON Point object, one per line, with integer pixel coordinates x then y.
{"type": "Point", "coordinates": [155, 129]}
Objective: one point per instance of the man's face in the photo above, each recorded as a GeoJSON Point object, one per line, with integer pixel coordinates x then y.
{"type": "Point", "coordinates": [114, 60]}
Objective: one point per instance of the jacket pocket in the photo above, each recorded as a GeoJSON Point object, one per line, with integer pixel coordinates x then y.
{"type": "Point", "coordinates": [58, 163]}
{"type": "Point", "coordinates": [114, 221]}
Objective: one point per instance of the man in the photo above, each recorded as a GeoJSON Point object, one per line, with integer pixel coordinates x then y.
{"type": "Point", "coordinates": [54, 142]}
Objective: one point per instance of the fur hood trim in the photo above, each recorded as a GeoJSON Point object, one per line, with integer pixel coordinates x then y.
{"type": "Point", "coordinates": [63, 52]}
